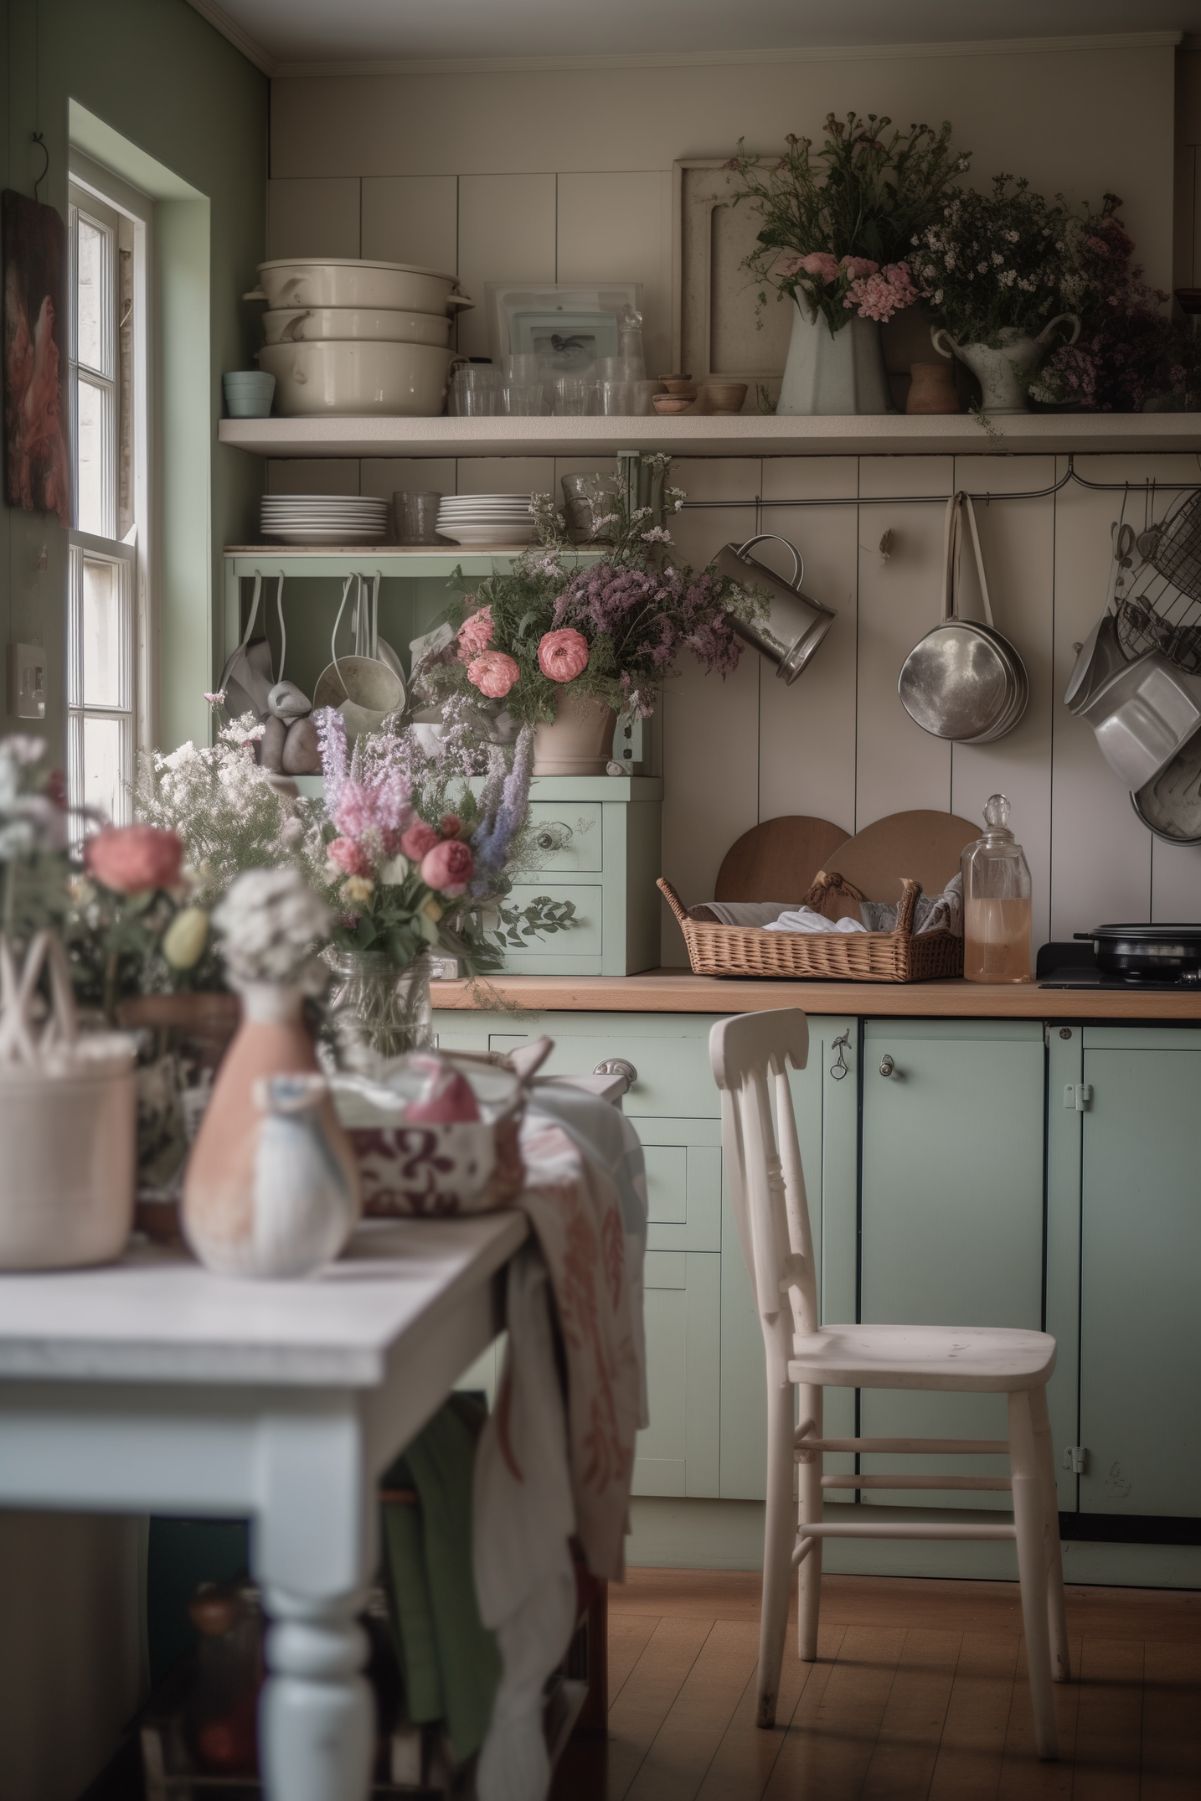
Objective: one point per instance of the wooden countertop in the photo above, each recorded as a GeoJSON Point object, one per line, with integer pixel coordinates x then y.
{"type": "Point", "coordinates": [678, 991]}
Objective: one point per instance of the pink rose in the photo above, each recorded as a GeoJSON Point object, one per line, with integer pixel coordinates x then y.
{"type": "Point", "coordinates": [493, 673]}
{"type": "Point", "coordinates": [475, 634]}
{"type": "Point", "coordinates": [448, 867]}
{"type": "Point", "coordinates": [450, 825]}
{"type": "Point", "coordinates": [563, 655]}
{"type": "Point", "coordinates": [419, 839]}
{"type": "Point", "coordinates": [348, 856]}
{"type": "Point", "coordinates": [821, 264]}
{"type": "Point", "coordinates": [789, 264]}
{"type": "Point", "coordinates": [858, 266]}
{"type": "Point", "coordinates": [132, 858]}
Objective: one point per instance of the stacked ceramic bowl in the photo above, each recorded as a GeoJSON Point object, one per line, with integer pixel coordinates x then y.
{"type": "Point", "coordinates": [324, 518]}
{"type": "Point", "coordinates": [346, 337]}
{"type": "Point", "coordinates": [486, 519]}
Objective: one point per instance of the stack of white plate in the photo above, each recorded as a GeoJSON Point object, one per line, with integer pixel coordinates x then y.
{"type": "Point", "coordinates": [486, 519]}
{"type": "Point", "coordinates": [324, 518]}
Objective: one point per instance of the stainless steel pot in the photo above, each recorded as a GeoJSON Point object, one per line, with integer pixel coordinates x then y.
{"type": "Point", "coordinates": [1148, 953]}
{"type": "Point", "coordinates": [1143, 717]}
{"type": "Point", "coordinates": [795, 624]}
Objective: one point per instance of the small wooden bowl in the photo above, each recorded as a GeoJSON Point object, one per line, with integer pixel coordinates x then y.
{"type": "Point", "coordinates": [724, 396]}
{"type": "Point", "coordinates": [682, 386]}
{"type": "Point", "coordinates": [671, 404]}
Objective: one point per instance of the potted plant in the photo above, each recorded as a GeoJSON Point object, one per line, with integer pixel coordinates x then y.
{"type": "Point", "coordinates": [565, 647]}
{"type": "Point", "coordinates": [839, 221]}
{"type": "Point", "coordinates": [998, 270]}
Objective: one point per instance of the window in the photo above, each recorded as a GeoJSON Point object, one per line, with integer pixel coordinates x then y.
{"type": "Point", "coordinates": [107, 639]}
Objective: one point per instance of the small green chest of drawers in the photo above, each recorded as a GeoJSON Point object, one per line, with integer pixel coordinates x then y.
{"type": "Point", "coordinates": [595, 846]}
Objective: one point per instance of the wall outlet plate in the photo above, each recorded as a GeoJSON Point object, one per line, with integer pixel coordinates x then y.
{"type": "Point", "coordinates": [27, 681]}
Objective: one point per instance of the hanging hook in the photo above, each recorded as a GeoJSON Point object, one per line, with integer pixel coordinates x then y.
{"type": "Point", "coordinates": [39, 139]}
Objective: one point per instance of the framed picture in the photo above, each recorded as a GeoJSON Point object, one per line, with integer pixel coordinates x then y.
{"type": "Point", "coordinates": [37, 457]}
{"type": "Point", "coordinates": [569, 325]}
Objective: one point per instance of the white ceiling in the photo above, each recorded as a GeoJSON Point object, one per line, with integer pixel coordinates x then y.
{"type": "Point", "coordinates": [293, 32]}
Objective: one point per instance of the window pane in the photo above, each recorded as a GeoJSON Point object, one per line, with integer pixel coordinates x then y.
{"type": "Point", "coordinates": [90, 294]}
{"type": "Point", "coordinates": [105, 654]}
{"type": "Point", "coordinates": [92, 471]}
{"type": "Point", "coordinates": [104, 767]}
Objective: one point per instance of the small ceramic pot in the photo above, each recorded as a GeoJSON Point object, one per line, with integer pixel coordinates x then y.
{"type": "Point", "coordinates": [579, 740]}
{"type": "Point", "coordinates": [724, 396]}
{"type": "Point", "coordinates": [932, 389]}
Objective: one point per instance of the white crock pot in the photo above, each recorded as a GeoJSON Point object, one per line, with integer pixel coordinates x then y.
{"type": "Point", "coordinates": [348, 281]}
{"type": "Point", "coordinates": [407, 380]}
{"type": "Point", "coordinates": [354, 324]}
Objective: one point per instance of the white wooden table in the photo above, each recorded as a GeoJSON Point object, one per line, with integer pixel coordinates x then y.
{"type": "Point", "coordinates": [152, 1386]}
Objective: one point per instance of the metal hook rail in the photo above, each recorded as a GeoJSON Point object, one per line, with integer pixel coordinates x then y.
{"type": "Point", "coordinates": [1150, 488]}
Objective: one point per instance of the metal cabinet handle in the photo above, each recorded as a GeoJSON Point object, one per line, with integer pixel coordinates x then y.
{"type": "Point", "coordinates": [554, 837]}
{"type": "Point", "coordinates": [617, 1066]}
{"type": "Point", "coordinates": [888, 1065]}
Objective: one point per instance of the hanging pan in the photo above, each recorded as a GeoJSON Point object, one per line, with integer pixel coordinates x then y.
{"type": "Point", "coordinates": [366, 687]}
{"type": "Point", "coordinates": [964, 681]}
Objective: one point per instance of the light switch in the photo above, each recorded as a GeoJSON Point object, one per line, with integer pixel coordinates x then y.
{"type": "Point", "coordinates": [27, 681]}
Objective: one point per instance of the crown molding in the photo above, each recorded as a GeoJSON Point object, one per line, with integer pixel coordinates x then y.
{"type": "Point", "coordinates": [694, 59]}
{"type": "Point", "coordinates": [251, 49]}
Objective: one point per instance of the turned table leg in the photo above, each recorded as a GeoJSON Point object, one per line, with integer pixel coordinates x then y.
{"type": "Point", "coordinates": [317, 1718]}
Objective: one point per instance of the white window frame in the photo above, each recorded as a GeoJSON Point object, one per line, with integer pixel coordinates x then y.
{"type": "Point", "coordinates": [125, 214]}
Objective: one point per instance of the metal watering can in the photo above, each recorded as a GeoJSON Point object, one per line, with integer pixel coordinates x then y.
{"type": "Point", "coordinates": [795, 624]}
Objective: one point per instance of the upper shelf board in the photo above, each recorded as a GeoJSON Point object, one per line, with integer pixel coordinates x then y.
{"type": "Point", "coordinates": [746, 434]}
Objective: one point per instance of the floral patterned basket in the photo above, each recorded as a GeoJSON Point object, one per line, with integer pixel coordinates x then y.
{"type": "Point", "coordinates": [435, 1170]}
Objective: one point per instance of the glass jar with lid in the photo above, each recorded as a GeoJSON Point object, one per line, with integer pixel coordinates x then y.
{"type": "Point", "coordinates": [997, 911]}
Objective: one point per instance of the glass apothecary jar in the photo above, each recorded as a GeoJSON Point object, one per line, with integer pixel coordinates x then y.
{"type": "Point", "coordinates": [997, 913]}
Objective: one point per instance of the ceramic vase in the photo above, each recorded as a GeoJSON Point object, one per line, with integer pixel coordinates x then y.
{"type": "Point", "coordinates": [271, 1187]}
{"type": "Point", "coordinates": [379, 1012]}
{"type": "Point", "coordinates": [834, 372]}
{"type": "Point", "coordinates": [1004, 370]}
{"type": "Point", "coordinates": [579, 740]}
{"type": "Point", "coordinates": [932, 389]}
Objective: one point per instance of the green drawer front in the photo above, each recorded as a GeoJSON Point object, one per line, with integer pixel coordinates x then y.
{"type": "Point", "coordinates": [583, 938]}
{"type": "Point", "coordinates": [674, 1078]}
{"type": "Point", "coordinates": [683, 1190]}
{"type": "Point", "coordinates": [567, 836]}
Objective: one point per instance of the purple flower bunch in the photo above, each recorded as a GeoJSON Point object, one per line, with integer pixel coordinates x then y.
{"type": "Point", "coordinates": [637, 620]}
{"type": "Point", "coordinates": [504, 805]}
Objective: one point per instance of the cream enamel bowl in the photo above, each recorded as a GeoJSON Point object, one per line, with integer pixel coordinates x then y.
{"type": "Point", "coordinates": [407, 380]}
{"type": "Point", "coordinates": [347, 281]}
{"type": "Point", "coordinates": [354, 324]}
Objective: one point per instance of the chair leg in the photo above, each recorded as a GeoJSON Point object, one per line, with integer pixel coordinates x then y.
{"type": "Point", "coordinates": [779, 1533]}
{"type": "Point", "coordinates": [1030, 1521]}
{"type": "Point", "coordinates": [809, 1576]}
{"type": "Point", "coordinates": [1057, 1624]}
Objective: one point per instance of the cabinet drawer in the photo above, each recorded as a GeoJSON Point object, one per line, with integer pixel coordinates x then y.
{"type": "Point", "coordinates": [674, 1079]}
{"type": "Point", "coordinates": [677, 1453]}
{"type": "Point", "coordinates": [567, 836]}
{"type": "Point", "coordinates": [583, 938]}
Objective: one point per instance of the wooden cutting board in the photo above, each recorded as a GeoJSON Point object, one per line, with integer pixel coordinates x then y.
{"type": "Point", "coordinates": [922, 844]}
{"type": "Point", "coordinates": [778, 859]}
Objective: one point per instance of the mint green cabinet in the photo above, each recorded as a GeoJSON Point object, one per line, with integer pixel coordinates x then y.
{"type": "Point", "coordinates": [951, 1207]}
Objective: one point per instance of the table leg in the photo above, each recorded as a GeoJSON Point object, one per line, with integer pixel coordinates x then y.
{"type": "Point", "coordinates": [317, 1721]}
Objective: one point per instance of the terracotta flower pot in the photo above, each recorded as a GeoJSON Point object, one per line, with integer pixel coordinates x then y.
{"type": "Point", "coordinates": [579, 740]}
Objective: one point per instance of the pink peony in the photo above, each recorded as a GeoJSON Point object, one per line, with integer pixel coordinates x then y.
{"type": "Point", "coordinates": [348, 856]}
{"type": "Point", "coordinates": [450, 825]}
{"type": "Point", "coordinates": [475, 634]}
{"type": "Point", "coordinates": [493, 673]}
{"type": "Point", "coordinates": [858, 266]}
{"type": "Point", "coordinates": [821, 264]}
{"type": "Point", "coordinates": [419, 839]}
{"type": "Point", "coordinates": [563, 655]}
{"type": "Point", "coordinates": [448, 867]}
{"type": "Point", "coordinates": [789, 264]}
{"type": "Point", "coordinates": [132, 858]}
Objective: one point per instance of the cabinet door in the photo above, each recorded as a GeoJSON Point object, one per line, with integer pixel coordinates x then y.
{"type": "Point", "coordinates": [825, 1100]}
{"type": "Point", "coordinates": [677, 1454]}
{"type": "Point", "coordinates": [951, 1210]}
{"type": "Point", "coordinates": [1140, 1319]}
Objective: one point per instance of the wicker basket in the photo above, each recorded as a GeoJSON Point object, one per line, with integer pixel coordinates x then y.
{"type": "Point", "coordinates": [897, 956]}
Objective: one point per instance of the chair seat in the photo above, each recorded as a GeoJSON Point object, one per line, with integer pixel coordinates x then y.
{"type": "Point", "coordinates": [987, 1359]}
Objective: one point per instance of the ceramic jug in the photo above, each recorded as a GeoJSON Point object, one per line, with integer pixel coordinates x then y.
{"type": "Point", "coordinates": [1004, 370]}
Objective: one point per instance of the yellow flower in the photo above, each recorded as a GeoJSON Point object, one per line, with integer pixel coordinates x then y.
{"type": "Point", "coordinates": [432, 910]}
{"type": "Point", "coordinates": [357, 889]}
{"type": "Point", "coordinates": [185, 938]}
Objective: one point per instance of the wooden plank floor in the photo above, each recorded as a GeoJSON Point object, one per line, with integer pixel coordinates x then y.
{"type": "Point", "coordinates": [919, 1694]}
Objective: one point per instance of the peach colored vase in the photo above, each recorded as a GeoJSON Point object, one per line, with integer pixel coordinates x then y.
{"type": "Point", "coordinates": [247, 1211]}
{"type": "Point", "coordinates": [579, 739]}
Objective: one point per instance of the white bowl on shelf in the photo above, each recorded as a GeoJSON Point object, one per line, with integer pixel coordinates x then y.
{"type": "Point", "coordinates": [333, 379]}
{"type": "Point", "coordinates": [354, 324]}
{"type": "Point", "coordinates": [352, 281]}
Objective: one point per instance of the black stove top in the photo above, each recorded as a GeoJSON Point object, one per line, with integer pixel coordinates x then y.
{"type": "Point", "coordinates": [1073, 965]}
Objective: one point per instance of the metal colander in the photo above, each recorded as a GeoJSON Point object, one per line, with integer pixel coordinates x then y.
{"type": "Point", "coordinates": [1177, 551]}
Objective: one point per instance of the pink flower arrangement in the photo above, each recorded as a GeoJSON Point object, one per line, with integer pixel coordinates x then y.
{"type": "Point", "coordinates": [879, 293]}
{"type": "Point", "coordinates": [493, 673]}
{"type": "Point", "coordinates": [856, 267]}
{"type": "Point", "coordinates": [450, 825]}
{"type": "Point", "coordinates": [475, 634]}
{"type": "Point", "coordinates": [131, 859]}
{"type": "Point", "coordinates": [348, 857]}
{"type": "Point", "coordinates": [448, 867]}
{"type": "Point", "coordinates": [419, 839]}
{"type": "Point", "coordinates": [818, 263]}
{"type": "Point", "coordinates": [563, 654]}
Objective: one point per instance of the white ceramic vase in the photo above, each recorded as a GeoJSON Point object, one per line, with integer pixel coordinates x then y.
{"type": "Point", "coordinates": [834, 372]}
{"type": "Point", "coordinates": [1004, 370]}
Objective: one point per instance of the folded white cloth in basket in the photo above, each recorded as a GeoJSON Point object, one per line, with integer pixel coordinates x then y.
{"type": "Point", "coordinates": [804, 919]}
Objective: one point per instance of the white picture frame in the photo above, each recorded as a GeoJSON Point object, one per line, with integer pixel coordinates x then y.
{"type": "Point", "coordinates": [572, 309]}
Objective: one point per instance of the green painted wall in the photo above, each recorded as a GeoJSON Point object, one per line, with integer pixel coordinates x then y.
{"type": "Point", "coordinates": [157, 75]}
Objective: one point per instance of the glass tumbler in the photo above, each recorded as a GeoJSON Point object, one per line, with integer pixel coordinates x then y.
{"type": "Point", "coordinates": [522, 399]}
{"type": "Point", "coordinates": [615, 397]}
{"type": "Point", "coordinates": [574, 395]}
{"type": "Point", "coordinates": [523, 367]}
{"type": "Point", "coordinates": [473, 391]}
{"type": "Point", "coordinates": [416, 517]}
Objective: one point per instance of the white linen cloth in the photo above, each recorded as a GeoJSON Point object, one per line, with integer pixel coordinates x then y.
{"type": "Point", "coordinates": [545, 1470]}
{"type": "Point", "coordinates": [806, 919]}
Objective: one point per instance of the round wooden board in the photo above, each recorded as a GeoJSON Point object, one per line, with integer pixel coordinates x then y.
{"type": "Point", "coordinates": [922, 844]}
{"type": "Point", "coordinates": [778, 859]}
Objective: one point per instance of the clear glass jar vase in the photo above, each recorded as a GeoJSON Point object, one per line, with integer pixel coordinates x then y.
{"type": "Point", "coordinates": [379, 1012]}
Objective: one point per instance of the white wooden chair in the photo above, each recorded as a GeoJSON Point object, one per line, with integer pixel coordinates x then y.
{"type": "Point", "coordinates": [750, 1055]}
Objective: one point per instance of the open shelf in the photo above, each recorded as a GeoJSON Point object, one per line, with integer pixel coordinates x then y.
{"type": "Point", "coordinates": [742, 435]}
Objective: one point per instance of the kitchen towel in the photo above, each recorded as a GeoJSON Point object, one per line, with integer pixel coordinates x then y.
{"type": "Point", "coordinates": [804, 919]}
